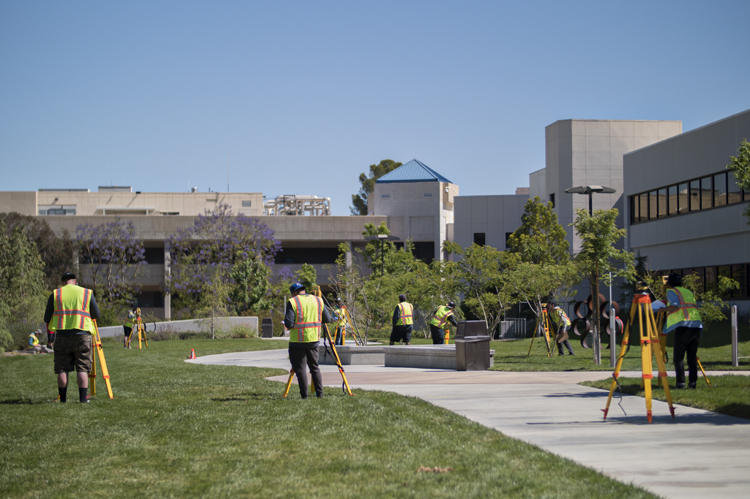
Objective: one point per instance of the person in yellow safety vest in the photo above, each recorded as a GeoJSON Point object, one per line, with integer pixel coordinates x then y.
{"type": "Point", "coordinates": [304, 317]}
{"type": "Point", "coordinates": [403, 320]}
{"type": "Point", "coordinates": [128, 327]}
{"type": "Point", "coordinates": [560, 318]}
{"type": "Point", "coordinates": [34, 344]}
{"type": "Point", "coordinates": [440, 318]}
{"type": "Point", "coordinates": [339, 317]}
{"type": "Point", "coordinates": [70, 312]}
{"type": "Point", "coordinates": [684, 319]}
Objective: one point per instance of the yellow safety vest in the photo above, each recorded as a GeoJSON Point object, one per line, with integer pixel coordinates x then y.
{"type": "Point", "coordinates": [341, 314]}
{"type": "Point", "coordinates": [687, 312]}
{"type": "Point", "coordinates": [308, 318]}
{"type": "Point", "coordinates": [72, 309]}
{"type": "Point", "coordinates": [441, 316]}
{"type": "Point", "coordinates": [33, 340]}
{"type": "Point", "coordinates": [559, 316]}
{"type": "Point", "coordinates": [405, 314]}
{"type": "Point", "coordinates": [129, 321]}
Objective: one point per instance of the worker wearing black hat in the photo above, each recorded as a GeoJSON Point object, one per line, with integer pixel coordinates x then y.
{"type": "Point", "coordinates": [70, 312]}
{"type": "Point", "coordinates": [403, 320]}
{"type": "Point", "coordinates": [684, 319]}
{"type": "Point", "coordinates": [442, 315]}
{"type": "Point", "coordinates": [304, 317]}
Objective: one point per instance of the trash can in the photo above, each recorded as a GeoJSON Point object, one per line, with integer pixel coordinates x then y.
{"type": "Point", "coordinates": [471, 328]}
{"type": "Point", "coordinates": [473, 353]}
{"type": "Point", "coordinates": [266, 328]}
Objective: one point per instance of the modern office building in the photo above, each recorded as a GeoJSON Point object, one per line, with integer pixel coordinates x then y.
{"type": "Point", "coordinates": [685, 211]}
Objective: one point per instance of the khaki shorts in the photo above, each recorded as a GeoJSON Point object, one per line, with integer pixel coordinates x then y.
{"type": "Point", "coordinates": [72, 353]}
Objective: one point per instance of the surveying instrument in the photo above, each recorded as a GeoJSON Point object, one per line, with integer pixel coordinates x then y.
{"type": "Point", "coordinates": [649, 335]}
{"type": "Point", "coordinates": [138, 326]}
{"type": "Point", "coordinates": [345, 385]}
{"type": "Point", "coordinates": [97, 344]}
{"type": "Point", "coordinates": [544, 325]}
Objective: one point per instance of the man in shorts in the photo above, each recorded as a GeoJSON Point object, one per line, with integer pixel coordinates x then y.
{"type": "Point", "coordinates": [70, 312]}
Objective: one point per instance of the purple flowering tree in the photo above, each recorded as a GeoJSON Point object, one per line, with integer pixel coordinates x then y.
{"type": "Point", "coordinates": [219, 259]}
{"type": "Point", "coordinates": [111, 258]}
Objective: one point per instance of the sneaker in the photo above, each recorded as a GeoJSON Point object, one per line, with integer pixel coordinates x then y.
{"type": "Point", "coordinates": [679, 386]}
{"type": "Point", "coordinates": [692, 387]}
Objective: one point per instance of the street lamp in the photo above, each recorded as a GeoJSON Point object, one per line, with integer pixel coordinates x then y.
{"type": "Point", "coordinates": [590, 189]}
{"type": "Point", "coordinates": [382, 238]}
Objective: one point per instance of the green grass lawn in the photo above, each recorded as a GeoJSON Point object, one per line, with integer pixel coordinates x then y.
{"type": "Point", "coordinates": [184, 430]}
{"type": "Point", "coordinates": [729, 394]}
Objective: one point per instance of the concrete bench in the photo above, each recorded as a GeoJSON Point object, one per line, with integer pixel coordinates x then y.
{"type": "Point", "coordinates": [424, 356]}
{"type": "Point", "coordinates": [353, 355]}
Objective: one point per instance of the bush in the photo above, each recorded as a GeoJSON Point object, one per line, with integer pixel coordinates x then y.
{"type": "Point", "coordinates": [6, 340]}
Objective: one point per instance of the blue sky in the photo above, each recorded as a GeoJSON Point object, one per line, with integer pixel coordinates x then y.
{"type": "Point", "coordinates": [301, 97]}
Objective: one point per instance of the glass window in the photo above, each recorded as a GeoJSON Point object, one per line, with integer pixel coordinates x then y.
{"type": "Point", "coordinates": [672, 200]}
{"type": "Point", "coordinates": [683, 198]}
{"type": "Point", "coordinates": [725, 271]}
{"type": "Point", "coordinates": [695, 200]}
{"type": "Point", "coordinates": [552, 199]}
{"type": "Point", "coordinates": [734, 194]}
{"type": "Point", "coordinates": [662, 208]}
{"type": "Point", "coordinates": [653, 203]}
{"type": "Point", "coordinates": [710, 278]}
{"type": "Point", "coordinates": [706, 193]}
{"type": "Point", "coordinates": [720, 189]}
{"type": "Point", "coordinates": [644, 206]}
{"type": "Point", "coordinates": [247, 204]}
{"type": "Point", "coordinates": [739, 274]}
{"type": "Point", "coordinates": [634, 212]}
{"type": "Point", "coordinates": [479, 238]}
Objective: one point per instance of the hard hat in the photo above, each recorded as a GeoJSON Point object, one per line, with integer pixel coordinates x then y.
{"type": "Point", "coordinates": [296, 287]}
{"type": "Point", "coordinates": [451, 304]}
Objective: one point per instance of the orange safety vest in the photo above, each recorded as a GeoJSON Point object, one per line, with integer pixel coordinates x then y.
{"type": "Point", "coordinates": [72, 309]}
{"type": "Point", "coordinates": [405, 314]}
{"type": "Point", "coordinates": [441, 316]}
{"type": "Point", "coordinates": [308, 318]}
{"type": "Point", "coordinates": [687, 311]}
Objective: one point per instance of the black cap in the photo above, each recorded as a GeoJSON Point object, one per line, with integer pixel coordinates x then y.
{"type": "Point", "coordinates": [451, 304]}
{"type": "Point", "coordinates": [401, 297]}
{"type": "Point", "coordinates": [674, 279]}
{"type": "Point", "coordinates": [67, 276]}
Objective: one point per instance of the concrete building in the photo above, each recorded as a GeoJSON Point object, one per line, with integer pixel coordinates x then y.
{"type": "Point", "coordinates": [685, 211]}
{"type": "Point", "coordinates": [487, 220]}
{"type": "Point", "coordinates": [590, 152]}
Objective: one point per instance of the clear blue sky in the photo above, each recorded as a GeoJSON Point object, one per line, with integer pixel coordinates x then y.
{"type": "Point", "coordinates": [303, 96]}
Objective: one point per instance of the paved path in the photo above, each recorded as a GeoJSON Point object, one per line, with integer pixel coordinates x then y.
{"type": "Point", "coordinates": [699, 454]}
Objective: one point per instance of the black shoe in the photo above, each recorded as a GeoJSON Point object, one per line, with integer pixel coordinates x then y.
{"type": "Point", "coordinates": [692, 387]}
{"type": "Point", "coordinates": [571, 353]}
{"type": "Point", "coordinates": [679, 386]}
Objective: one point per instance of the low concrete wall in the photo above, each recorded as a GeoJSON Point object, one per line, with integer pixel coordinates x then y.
{"type": "Point", "coordinates": [194, 325]}
{"type": "Point", "coordinates": [353, 355]}
{"type": "Point", "coordinates": [424, 356]}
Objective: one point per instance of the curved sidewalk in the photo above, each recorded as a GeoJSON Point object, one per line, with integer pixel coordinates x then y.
{"type": "Point", "coordinates": [699, 454]}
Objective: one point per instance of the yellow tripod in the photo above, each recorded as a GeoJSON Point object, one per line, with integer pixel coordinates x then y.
{"type": "Point", "coordinates": [544, 323]}
{"type": "Point", "coordinates": [345, 386]}
{"type": "Point", "coordinates": [97, 344]}
{"type": "Point", "coordinates": [138, 326]}
{"type": "Point", "coordinates": [649, 335]}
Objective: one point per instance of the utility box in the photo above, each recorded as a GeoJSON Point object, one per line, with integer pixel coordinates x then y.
{"type": "Point", "coordinates": [473, 353]}
{"type": "Point", "coordinates": [266, 328]}
{"type": "Point", "coordinates": [471, 328]}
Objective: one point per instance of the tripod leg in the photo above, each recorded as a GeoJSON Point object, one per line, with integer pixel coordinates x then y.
{"type": "Point", "coordinates": [656, 339]}
{"type": "Point", "coordinates": [92, 374]}
{"type": "Point", "coordinates": [338, 361]}
{"type": "Point", "coordinates": [536, 331]}
{"type": "Point", "coordinates": [288, 383]}
{"type": "Point", "coordinates": [618, 366]}
{"type": "Point", "coordinates": [703, 371]}
{"type": "Point", "coordinates": [102, 361]}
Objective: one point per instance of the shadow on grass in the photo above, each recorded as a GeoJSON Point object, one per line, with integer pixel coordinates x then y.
{"type": "Point", "coordinates": [26, 401]}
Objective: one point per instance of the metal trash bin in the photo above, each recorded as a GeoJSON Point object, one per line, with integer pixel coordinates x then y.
{"type": "Point", "coordinates": [471, 328]}
{"type": "Point", "coordinates": [473, 353]}
{"type": "Point", "coordinates": [266, 328]}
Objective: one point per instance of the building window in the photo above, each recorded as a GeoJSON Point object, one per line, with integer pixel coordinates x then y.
{"type": "Point", "coordinates": [720, 189]}
{"type": "Point", "coordinates": [428, 194]}
{"type": "Point", "coordinates": [479, 238]}
{"type": "Point", "coordinates": [552, 199]}
{"type": "Point", "coordinates": [247, 204]}
{"type": "Point", "coordinates": [57, 209]}
{"type": "Point", "coordinates": [661, 199]}
{"type": "Point", "coordinates": [385, 196]}
{"type": "Point", "coordinates": [672, 206]}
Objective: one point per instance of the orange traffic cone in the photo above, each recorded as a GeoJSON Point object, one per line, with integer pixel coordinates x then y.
{"type": "Point", "coordinates": [192, 353]}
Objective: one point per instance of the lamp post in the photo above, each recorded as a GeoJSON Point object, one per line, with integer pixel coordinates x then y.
{"type": "Point", "coordinates": [589, 190]}
{"type": "Point", "coordinates": [382, 238]}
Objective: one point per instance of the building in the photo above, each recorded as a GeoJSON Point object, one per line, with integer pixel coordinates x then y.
{"type": "Point", "coordinates": [685, 211]}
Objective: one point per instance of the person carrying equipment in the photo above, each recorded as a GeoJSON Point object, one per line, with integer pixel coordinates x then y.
{"type": "Point", "coordinates": [128, 327]}
{"type": "Point", "coordinates": [70, 311]}
{"type": "Point", "coordinates": [339, 317]}
{"type": "Point", "coordinates": [304, 317]}
{"type": "Point", "coordinates": [403, 320]}
{"type": "Point", "coordinates": [684, 319]}
{"type": "Point", "coordinates": [440, 318]}
{"type": "Point", "coordinates": [560, 318]}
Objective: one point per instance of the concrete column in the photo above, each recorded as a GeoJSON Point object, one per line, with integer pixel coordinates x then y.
{"type": "Point", "coordinates": [167, 273]}
{"type": "Point", "coordinates": [348, 256]}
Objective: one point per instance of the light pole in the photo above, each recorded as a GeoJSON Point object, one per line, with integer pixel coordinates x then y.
{"type": "Point", "coordinates": [590, 190]}
{"type": "Point", "coordinates": [382, 238]}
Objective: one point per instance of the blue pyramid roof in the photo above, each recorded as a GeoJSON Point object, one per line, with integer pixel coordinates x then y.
{"type": "Point", "coordinates": [413, 171]}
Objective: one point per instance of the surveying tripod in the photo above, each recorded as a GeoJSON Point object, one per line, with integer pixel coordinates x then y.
{"type": "Point", "coordinates": [138, 326]}
{"type": "Point", "coordinates": [97, 344]}
{"type": "Point", "coordinates": [544, 325]}
{"type": "Point", "coordinates": [649, 335]}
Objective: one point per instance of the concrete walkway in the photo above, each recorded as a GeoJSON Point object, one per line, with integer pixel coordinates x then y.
{"type": "Point", "coordinates": [699, 454]}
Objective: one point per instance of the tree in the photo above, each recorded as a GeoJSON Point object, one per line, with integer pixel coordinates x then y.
{"type": "Point", "coordinates": [57, 253]}
{"type": "Point", "coordinates": [22, 290]}
{"type": "Point", "coordinates": [112, 258]}
{"type": "Point", "coordinates": [359, 201]}
{"type": "Point", "coordinates": [740, 166]}
{"type": "Point", "coordinates": [598, 257]}
{"type": "Point", "coordinates": [216, 250]}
